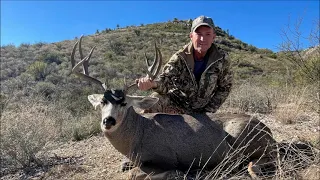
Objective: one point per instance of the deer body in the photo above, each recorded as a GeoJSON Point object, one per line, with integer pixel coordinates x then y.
{"type": "Point", "coordinates": [178, 141]}
{"type": "Point", "coordinates": [169, 141]}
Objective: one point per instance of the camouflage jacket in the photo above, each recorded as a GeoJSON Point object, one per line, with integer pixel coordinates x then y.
{"type": "Point", "coordinates": [178, 81]}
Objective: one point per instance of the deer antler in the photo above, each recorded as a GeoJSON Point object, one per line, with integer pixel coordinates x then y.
{"type": "Point", "coordinates": [85, 62]}
{"type": "Point", "coordinates": [152, 70]}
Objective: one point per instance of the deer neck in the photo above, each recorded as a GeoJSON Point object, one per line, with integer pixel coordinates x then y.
{"type": "Point", "coordinates": [127, 134]}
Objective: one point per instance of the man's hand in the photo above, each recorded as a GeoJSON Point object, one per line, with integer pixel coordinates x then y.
{"type": "Point", "coordinates": [146, 83]}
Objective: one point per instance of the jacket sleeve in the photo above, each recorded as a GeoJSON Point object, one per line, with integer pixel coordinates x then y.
{"type": "Point", "coordinates": [223, 89]}
{"type": "Point", "coordinates": [170, 72]}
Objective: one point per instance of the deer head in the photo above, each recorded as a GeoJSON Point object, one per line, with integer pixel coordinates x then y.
{"type": "Point", "coordinates": [115, 103]}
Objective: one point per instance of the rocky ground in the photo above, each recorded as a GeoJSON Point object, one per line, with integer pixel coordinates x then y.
{"type": "Point", "coordinates": [95, 158]}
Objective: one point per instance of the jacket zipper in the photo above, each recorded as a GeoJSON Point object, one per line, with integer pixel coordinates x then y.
{"type": "Point", "coordinates": [191, 74]}
{"type": "Point", "coordinates": [211, 65]}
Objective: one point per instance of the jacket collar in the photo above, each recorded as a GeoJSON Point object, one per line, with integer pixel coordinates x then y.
{"type": "Point", "coordinates": [189, 48]}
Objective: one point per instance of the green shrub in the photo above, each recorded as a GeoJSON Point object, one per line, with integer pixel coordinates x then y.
{"type": "Point", "coordinates": [252, 48]}
{"type": "Point", "coordinates": [50, 57]}
{"type": "Point", "coordinates": [45, 88]}
{"type": "Point", "coordinates": [39, 44]}
{"type": "Point", "coordinates": [310, 72]}
{"type": "Point", "coordinates": [272, 55]}
{"type": "Point", "coordinates": [137, 32]}
{"type": "Point", "coordinates": [38, 70]}
{"type": "Point", "coordinates": [264, 51]}
{"type": "Point", "coordinates": [117, 47]}
{"type": "Point", "coordinates": [85, 127]}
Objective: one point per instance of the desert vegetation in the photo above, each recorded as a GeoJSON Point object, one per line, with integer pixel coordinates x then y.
{"type": "Point", "coordinates": [44, 107]}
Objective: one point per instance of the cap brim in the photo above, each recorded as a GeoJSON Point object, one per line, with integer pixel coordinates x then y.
{"type": "Point", "coordinates": [202, 24]}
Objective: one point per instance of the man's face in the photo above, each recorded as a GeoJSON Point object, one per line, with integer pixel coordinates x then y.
{"type": "Point", "coordinates": [202, 38]}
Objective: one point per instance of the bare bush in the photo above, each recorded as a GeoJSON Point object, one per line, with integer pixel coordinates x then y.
{"type": "Point", "coordinates": [291, 103]}
{"type": "Point", "coordinates": [249, 98]}
{"type": "Point", "coordinates": [27, 126]}
{"type": "Point", "coordinates": [25, 129]}
{"type": "Point", "coordinates": [292, 158]}
{"type": "Point", "coordinates": [292, 47]}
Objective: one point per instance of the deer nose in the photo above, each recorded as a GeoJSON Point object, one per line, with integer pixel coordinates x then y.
{"type": "Point", "coordinates": [109, 122]}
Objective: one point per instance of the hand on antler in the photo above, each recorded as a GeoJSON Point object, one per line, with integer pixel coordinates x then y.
{"type": "Point", "coordinates": [146, 83]}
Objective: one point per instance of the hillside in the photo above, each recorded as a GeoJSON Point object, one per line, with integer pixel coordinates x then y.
{"type": "Point", "coordinates": [49, 130]}
{"type": "Point", "coordinates": [121, 50]}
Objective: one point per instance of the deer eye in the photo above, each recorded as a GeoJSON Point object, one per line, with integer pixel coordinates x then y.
{"type": "Point", "coordinates": [123, 104]}
{"type": "Point", "coordinates": [103, 103]}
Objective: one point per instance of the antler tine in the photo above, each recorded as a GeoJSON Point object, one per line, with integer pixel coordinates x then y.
{"type": "Point", "coordinates": [154, 69]}
{"type": "Point", "coordinates": [158, 60]}
{"type": "Point", "coordinates": [85, 63]}
{"type": "Point", "coordinates": [73, 62]}
{"type": "Point", "coordinates": [85, 59]}
{"type": "Point", "coordinates": [126, 87]}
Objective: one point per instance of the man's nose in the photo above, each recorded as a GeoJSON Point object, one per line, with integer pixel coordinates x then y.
{"type": "Point", "coordinates": [201, 38]}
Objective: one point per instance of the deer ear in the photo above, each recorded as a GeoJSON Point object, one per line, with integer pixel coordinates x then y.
{"type": "Point", "coordinates": [95, 99]}
{"type": "Point", "coordinates": [142, 102]}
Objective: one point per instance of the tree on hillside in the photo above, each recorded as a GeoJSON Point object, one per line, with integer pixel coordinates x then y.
{"type": "Point", "coordinates": [304, 61]}
{"type": "Point", "coordinates": [175, 20]}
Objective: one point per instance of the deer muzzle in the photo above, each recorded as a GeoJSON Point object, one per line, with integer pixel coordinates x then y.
{"type": "Point", "coordinates": [109, 122]}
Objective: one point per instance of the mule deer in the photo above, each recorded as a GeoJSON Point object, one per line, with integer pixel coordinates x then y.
{"type": "Point", "coordinates": [164, 142]}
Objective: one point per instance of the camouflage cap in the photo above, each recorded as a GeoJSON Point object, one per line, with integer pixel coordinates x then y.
{"type": "Point", "coordinates": [202, 21]}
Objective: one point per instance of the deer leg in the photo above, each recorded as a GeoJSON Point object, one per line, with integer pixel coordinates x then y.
{"type": "Point", "coordinates": [127, 164]}
{"type": "Point", "coordinates": [154, 173]}
{"type": "Point", "coordinates": [263, 166]}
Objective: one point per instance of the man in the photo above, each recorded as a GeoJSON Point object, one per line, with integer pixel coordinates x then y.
{"type": "Point", "coordinates": [197, 78]}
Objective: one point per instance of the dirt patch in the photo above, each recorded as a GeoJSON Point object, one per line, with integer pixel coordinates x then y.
{"type": "Point", "coordinates": [93, 158]}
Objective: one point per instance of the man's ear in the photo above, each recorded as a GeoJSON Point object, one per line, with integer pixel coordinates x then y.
{"type": "Point", "coordinates": [142, 102]}
{"type": "Point", "coordinates": [95, 99]}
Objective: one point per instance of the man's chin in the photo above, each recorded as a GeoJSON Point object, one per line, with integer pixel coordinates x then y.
{"type": "Point", "coordinates": [202, 49]}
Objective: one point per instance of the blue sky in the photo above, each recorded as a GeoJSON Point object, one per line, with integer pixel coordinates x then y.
{"type": "Point", "coordinates": [255, 22]}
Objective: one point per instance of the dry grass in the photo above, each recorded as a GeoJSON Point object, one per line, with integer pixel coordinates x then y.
{"type": "Point", "coordinates": [27, 127]}
{"type": "Point", "coordinates": [288, 105]}
{"type": "Point", "coordinates": [294, 104]}
{"type": "Point", "coordinates": [293, 159]}
{"type": "Point", "coordinates": [249, 97]}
